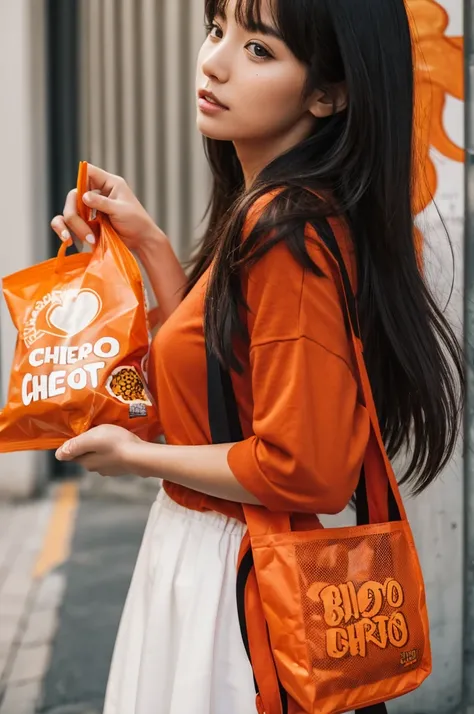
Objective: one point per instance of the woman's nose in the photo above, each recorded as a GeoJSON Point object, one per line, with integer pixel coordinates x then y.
{"type": "Point", "coordinates": [216, 64]}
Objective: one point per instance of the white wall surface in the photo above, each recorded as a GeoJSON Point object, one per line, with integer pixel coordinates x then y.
{"type": "Point", "coordinates": [23, 188]}
{"type": "Point", "coordinates": [436, 517]}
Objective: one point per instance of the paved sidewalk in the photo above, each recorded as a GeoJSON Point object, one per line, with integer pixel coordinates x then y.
{"type": "Point", "coordinates": [65, 567]}
{"type": "Point", "coordinates": [104, 550]}
{"type": "Point", "coordinates": [131, 489]}
{"type": "Point", "coordinates": [29, 603]}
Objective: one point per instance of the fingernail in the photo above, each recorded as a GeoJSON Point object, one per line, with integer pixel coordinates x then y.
{"type": "Point", "coordinates": [63, 451]}
{"type": "Point", "coordinates": [90, 238]}
{"type": "Point", "coordinates": [86, 197]}
{"type": "Point", "coordinates": [65, 235]}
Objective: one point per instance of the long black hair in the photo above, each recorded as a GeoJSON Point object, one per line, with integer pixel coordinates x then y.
{"type": "Point", "coordinates": [361, 160]}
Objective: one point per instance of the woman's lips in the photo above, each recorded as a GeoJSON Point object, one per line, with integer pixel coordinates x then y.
{"type": "Point", "coordinates": [210, 107]}
{"type": "Point", "coordinates": [208, 100]}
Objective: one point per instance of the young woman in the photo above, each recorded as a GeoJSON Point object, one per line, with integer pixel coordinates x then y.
{"type": "Point", "coordinates": [307, 111]}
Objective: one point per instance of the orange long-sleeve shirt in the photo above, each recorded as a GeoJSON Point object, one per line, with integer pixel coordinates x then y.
{"type": "Point", "coordinates": [306, 432]}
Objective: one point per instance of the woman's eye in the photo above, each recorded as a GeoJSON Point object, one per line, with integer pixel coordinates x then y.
{"type": "Point", "coordinates": [212, 29]}
{"type": "Point", "coordinates": [259, 51]}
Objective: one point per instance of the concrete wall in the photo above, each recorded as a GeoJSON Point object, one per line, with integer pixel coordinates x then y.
{"type": "Point", "coordinates": [23, 188]}
{"type": "Point", "coordinates": [437, 518]}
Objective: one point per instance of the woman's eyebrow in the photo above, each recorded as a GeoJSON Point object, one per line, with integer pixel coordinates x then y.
{"type": "Point", "coordinates": [261, 27]}
{"type": "Point", "coordinates": [269, 30]}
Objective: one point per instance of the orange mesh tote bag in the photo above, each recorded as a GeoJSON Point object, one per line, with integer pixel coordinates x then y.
{"type": "Point", "coordinates": [82, 345]}
{"type": "Point", "coordinates": [333, 620]}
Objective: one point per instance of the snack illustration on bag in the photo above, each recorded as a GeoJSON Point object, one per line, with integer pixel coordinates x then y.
{"type": "Point", "coordinates": [126, 385]}
{"type": "Point", "coordinates": [82, 347]}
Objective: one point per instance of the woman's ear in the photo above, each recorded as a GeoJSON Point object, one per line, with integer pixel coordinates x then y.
{"type": "Point", "coordinates": [331, 101]}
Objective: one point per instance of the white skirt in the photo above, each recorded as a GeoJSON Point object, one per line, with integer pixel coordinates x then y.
{"type": "Point", "coordinates": [179, 647]}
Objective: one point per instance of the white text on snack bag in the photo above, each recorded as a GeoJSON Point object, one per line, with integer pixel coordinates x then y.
{"type": "Point", "coordinates": [36, 387]}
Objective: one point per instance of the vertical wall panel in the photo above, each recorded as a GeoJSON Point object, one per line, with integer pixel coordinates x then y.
{"type": "Point", "coordinates": [174, 42]}
{"type": "Point", "coordinates": [96, 149]}
{"type": "Point", "coordinates": [128, 66]}
{"type": "Point", "coordinates": [85, 130]}
{"type": "Point", "coordinates": [150, 81]}
{"type": "Point", "coordinates": [199, 173]}
{"type": "Point", "coordinates": [138, 105]}
{"type": "Point", "coordinates": [111, 72]}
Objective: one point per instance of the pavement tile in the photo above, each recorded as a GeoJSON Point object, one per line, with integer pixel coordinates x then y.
{"type": "Point", "coordinates": [26, 635]}
{"type": "Point", "coordinates": [17, 583]}
{"type": "Point", "coordinates": [41, 627]}
{"type": "Point", "coordinates": [26, 560]}
{"type": "Point", "coordinates": [30, 664]}
{"type": "Point", "coordinates": [3, 662]}
{"type": "Point", "coordinates": [12, 605]}
{"type": "Point", "coordinates": [21, 698]}
{"type": "Point", "coordinates": [50, 592]}
{"type": "Point", "coordinates": [5, 546]}
{"type": "Point", "coordinates": [9, 630]}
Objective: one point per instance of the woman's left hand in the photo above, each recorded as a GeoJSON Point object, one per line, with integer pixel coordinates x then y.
{"type": "Point", "coordinates": [103, 449]}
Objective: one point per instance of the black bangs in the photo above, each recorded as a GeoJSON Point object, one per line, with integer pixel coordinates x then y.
{"type": "Point", "coordinates": [248, 13]}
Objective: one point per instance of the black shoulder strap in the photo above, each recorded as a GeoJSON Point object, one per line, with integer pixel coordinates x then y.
{"type": "Point", "coordinates": [224, 418]}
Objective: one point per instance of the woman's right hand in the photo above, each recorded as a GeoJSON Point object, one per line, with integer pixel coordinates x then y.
{"type": "Point", "coordinates": [116, 199]}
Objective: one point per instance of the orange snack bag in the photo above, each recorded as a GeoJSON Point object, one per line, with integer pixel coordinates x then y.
{"type": "Point", "coordinates": [82, 346]}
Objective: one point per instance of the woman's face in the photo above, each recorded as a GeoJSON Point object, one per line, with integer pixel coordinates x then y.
{"type": "Point", "coordinates": [257, 79]}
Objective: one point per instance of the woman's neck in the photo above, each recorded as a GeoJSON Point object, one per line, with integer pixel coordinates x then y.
{"type": "Point", "coordinates": [255, 154]}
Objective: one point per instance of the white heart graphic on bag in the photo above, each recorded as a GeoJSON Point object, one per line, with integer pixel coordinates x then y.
{"type": "Point", "coordinates": [78, 309]}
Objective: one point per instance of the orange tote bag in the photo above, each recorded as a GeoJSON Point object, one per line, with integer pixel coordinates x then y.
{"type": "Point", "coordinates": [82, 345]}
{"type": "Point", "coordinates": [333, 620]}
